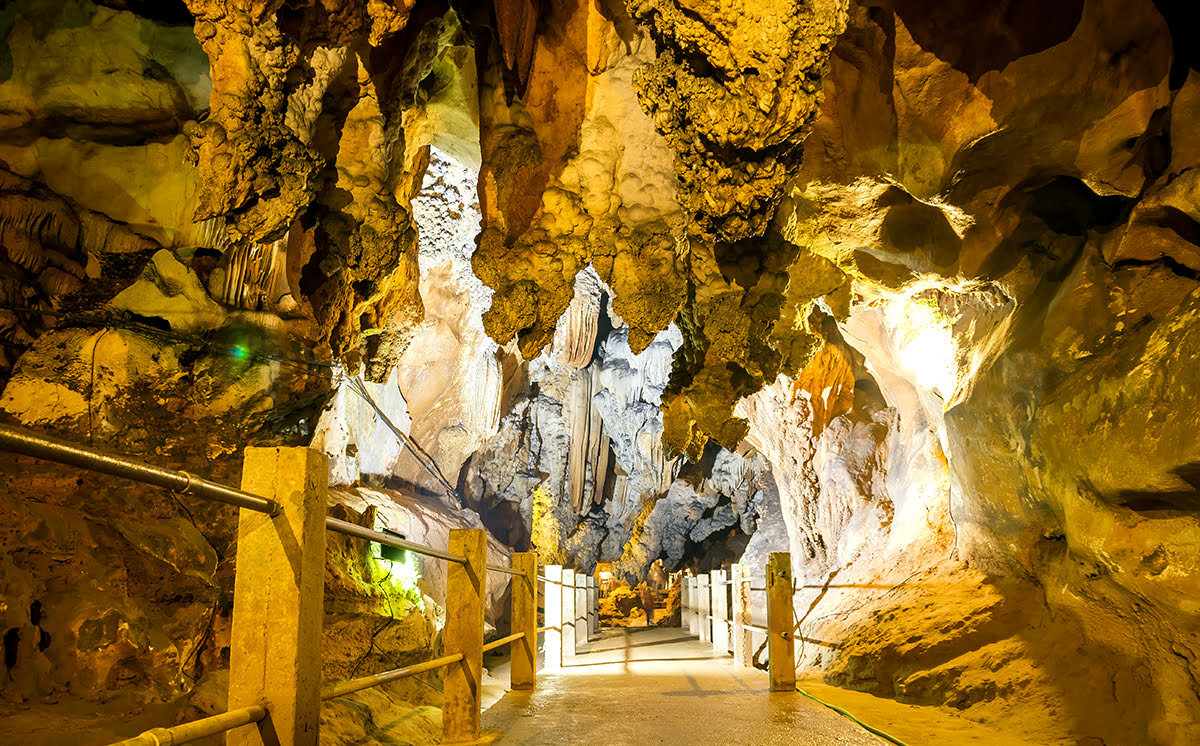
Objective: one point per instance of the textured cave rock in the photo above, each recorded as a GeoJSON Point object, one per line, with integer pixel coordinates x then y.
{"type": "Point", "coordinates": [578, 460]}
{"type": "Point", "coordinates": [573, 173]}
{"type": "Point", "coordinates": [732, 497]}
{"type": "Point", "coordinates": [313, 148]}
{"type": "Point", "coordinates": [735, 89]}
{"type": "Point", "coordinates": [1015, 263]}
{"type": "Point", "coordinates": [909, 289]}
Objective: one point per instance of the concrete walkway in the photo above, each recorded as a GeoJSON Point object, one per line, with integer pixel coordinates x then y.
{"type": "Point", "coordinates": [641, 687]}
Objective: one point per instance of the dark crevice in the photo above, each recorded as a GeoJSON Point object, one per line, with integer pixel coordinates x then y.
{"type": "Point", "coordinates": [1177, 221]}
{"type": "Point", "coordinates": [1163, 261]}
{"type": "Point", "coordinates": [12, 639]}
{"type": "Point", "coordinates": [604, 327]}
{"type": "Point", "coordinates": [1152, 150]}
{"type": "Point", "coordinates": [1068, 206]}
{"type": "Point", "coordinates": [1183, 20]}
{"type": "Point", "coordinates": [1174, 501]}
{"type": "Point", "coordinates": [976, 37]}
{"type": "Point", "coordinates": [165, 12]}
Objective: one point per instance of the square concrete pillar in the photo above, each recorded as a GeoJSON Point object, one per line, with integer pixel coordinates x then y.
{"type": "Point", "coordinates": [780, 642]}
{"type": "Point", "coordinates": [552, 600]}
{"type": "Point", "coordinates": [465, 588]}
{"type": "Point", "coordinates": [523, 670]}
{"type": "Point", "coordinates": [581, 610]}
{"type": "Point", "coordinates": [684, 600]}
{"type": "Point", "coordinates": [705, 599]}
{"type": "Point", "coordinates": [694, 617]}
{"type": "Point", "coordinates": [278, 598]}
{"type": "Point", "coordinates": [593, 607]}
{"type": "Point", "coordinates": [720, 613]}
{"type": "Point", "coordinates": [568, 616]}
{"type": "Point", "coordinates": [740, 616]}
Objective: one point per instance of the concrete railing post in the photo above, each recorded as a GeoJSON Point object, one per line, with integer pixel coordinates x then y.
{"type": "Point", "coordinates": [552, 598]}
{"type": "Point", "coordinates": [720, 613]}
{"type": "Point", "coordinates": [694, 595]}
{"type": "Point", "coordinates": [523, 670]}
{"type": "Point", "coordinates": [717, 579]}
{"type": "Point", "coordinates": [278, 598]}
{"type": "Point", "coordinates": [568, 616]}
{"type": "Point", "coordinates": [581, 610]}
{"type": "Point", "coordinates": [780, 641]}
{"type": "Point", "coordinates": [593, 615]}
{"type": "Point", "coordinates": [684, 600]}
{"type": "Point", "coordinates": [705, 609]}
{"type": "Point", "coordinates": [741, 616]}
{"type": "Point", "coordinates": [465, 588]}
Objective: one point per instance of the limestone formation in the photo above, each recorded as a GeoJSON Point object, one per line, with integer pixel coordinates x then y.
{"type": "Point", "coordinates": [735, 89]}
{"type": "Point", "coordinates": [908, 289]}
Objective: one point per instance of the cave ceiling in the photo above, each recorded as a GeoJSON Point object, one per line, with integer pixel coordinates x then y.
{"type": "Point", "coordinates": [907, 288]}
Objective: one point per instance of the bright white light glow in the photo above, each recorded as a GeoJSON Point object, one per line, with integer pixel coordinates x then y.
{"type": "Point", "coordinates": [400, 577]}
{"type": "Point", "coordinates": [925, 346]}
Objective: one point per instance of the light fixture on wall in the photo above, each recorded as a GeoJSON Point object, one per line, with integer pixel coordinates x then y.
{"type": "Point", "coordinates": [390, 553]}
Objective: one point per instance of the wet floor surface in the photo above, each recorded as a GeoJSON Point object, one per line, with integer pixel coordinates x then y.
{"type": "Point", "coordinates": [659, 686]}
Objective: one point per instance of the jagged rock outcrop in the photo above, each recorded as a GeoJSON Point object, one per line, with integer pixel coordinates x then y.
{"type": "Point", "coordinates": [945, 358]}
{"type": "Point", "coordinates": [735, 88]}
{"type": "Point", "coordinates": [732, 498]}
{"type": "Point", "coordinates": [305, 143]}
{"type": "Point", "coordinates": [995, 316]}
{"type": "Point", "coordinates": [573, 173]}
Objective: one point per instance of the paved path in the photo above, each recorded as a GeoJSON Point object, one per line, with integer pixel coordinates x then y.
{"type": "Point", "coordinates": [642, 687]}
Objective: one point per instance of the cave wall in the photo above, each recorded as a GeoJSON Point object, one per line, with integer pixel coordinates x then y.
{"type": "Point", "coordinates": [908, 289]}
{"type": "Point", "coordinates": [1013, 449]}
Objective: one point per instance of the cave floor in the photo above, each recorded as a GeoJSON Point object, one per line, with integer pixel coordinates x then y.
{"type": "Point", "coordinates": [641, 686]}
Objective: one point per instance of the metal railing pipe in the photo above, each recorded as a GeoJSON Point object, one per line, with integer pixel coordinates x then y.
{"type": "Point", "coordinates": [503, 641]}
{"type": "Point", "coordinates": [198, 729]}
{"type": "Point", "coordinates": [82, 457]}
{"type": "Point", "coordinates": [366, 682]}
{"type": "Point", "coordinates": [353, 529]}
{"type": "Point", "coordinates": [502, 568]}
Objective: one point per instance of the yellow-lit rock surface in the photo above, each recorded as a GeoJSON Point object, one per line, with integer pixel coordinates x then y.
{"type": "Point", "coordinates": [906, 288]}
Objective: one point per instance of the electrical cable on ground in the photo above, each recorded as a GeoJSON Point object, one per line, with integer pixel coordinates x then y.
{"type": "Point", "coordinates": [846, 713]}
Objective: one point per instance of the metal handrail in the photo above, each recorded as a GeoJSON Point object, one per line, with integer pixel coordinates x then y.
{"type": "Point", "coordinates": [366, 682]}
{"type": "Point", "coordinates": [197, 729]}
{"type": "Point", "coordinates": [502, 568]}
{"type": "Point", "coordinates": [353, 529]}
{"type": "Point", "coordinates": [179, 482]}
{"type": "Point", "coordinates": [503, 641]}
